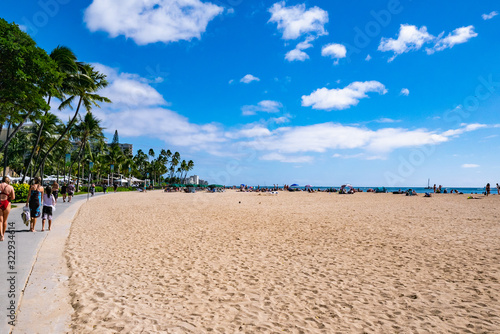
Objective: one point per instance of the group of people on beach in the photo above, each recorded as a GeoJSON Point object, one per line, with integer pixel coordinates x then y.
{"type": "Point", "coordinates": [488, 189]}
{"type": "Point", "coordinates": [41, 202]}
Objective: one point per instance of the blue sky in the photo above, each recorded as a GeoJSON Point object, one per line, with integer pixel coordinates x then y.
{"type": "Point", "coordinates": [310, 92]}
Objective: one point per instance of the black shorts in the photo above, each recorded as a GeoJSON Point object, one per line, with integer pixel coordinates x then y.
{"type": "Point", "coordinates": [47, 212]}
{"type": "Point", "coordinates": [55, 193]}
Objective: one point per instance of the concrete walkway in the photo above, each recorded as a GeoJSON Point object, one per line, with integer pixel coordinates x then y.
{"type": "Point", "coordinates": [34, 275]}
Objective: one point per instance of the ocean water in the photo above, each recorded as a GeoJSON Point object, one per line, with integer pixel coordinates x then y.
{"type": "Point", "coordinates": [419, 190]}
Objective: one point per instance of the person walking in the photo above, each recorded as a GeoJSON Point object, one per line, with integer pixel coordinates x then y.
{"type": "Point", "coordinates": [64, 190]}
{"type": "Point", "coordinates": [498, 189]}
{"type": "Point", "coordinates": [34, 202]}
{"type": "Point", "coordinates": [49, 203]}
{"type": "Point", "coordinates": [7, 195]}
{"type": "Point", "coordinates": [71, 191]}
{"type": "Point", "coordinates": [488, 189]}
{"type": "Point", "coordinates": [55, 190]}
{"type": "Point", "coordinates": [92, 189]}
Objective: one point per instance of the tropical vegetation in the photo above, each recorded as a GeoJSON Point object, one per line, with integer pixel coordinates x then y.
{"type": "Point", "coordinates": [38, 143]}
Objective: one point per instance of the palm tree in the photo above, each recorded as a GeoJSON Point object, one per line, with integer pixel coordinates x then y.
{"type": "Point", "coordinates": [141, 162]}
{"type": "Point", "coordinates": [114, 157]}
{"type": "Point", "coordinates": [182, 169]}
{"type": "Point", "coordinates": [84, 87]}
{"type": "Point", "coordinates": [66, 64]}
{"type": "Point", "coordinates": [151, 153]}
{"type": "Point", "coordinates": [87, 131]}
{"type": "Point", "coordinates": [173, 163]}
{"type": "Point", "coordinates": [189, 167]}
{"type": "Point", "coordinates": [43, 137]}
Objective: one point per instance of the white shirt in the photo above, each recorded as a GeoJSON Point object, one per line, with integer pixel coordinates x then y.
{"type": "Point", "coordinates": [48, 200]}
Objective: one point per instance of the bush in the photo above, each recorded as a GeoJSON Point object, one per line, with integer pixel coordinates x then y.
{"type": "Point", "coordinates": [21, 191]}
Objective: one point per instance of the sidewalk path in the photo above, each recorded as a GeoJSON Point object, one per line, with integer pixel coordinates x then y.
{"type": "Point", "coordinates": [23, 298]}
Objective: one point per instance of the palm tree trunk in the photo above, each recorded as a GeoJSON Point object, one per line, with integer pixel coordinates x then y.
{"type": "Point", "coordinates": [57, 173]}
{"type": "Point", "coordinates": [39, 134]}
{"type": "Point", "coordinates": [6, 153]}
{"type": "Point", "coordinates": [9, 138]}
{"type": "Point", "coordinates": [79, 164]}
{"type": "Point", "coordinates": [70, 124]}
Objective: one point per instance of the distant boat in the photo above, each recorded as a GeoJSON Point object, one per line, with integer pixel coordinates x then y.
{"type": "Point", "coordinates": [428, 184]}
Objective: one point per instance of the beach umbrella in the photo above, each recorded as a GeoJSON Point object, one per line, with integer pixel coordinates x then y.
{"type": "Point", "coordinates": [294, 185]}
{"type": "Point", "coordinates": [308, 186]}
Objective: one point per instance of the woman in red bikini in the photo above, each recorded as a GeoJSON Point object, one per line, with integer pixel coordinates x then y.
{"type": "Point", "coordinates": [6, 196]}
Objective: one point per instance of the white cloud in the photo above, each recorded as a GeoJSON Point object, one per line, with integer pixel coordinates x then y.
{"type": "Point", "coordinates": [263, 106]}
{"type": "Point", "coordinates": [489, 16]}
{"type": "Point", "coordinates": [334, 51]}
{"type": "Point", "coordinates": [410, 38]}
{"type": "Point", "coordinates": [387, 140]}
{"type": "Point", "coordinates": [280, 120]}
{"type": "Point", "coordinates": [295, 21]}
{"type": "Point", "coordinates": [368, 58]}
{"type": "Point", "coordinates": [405, 92]}
{"type": "Point", "coordinates": [296, 54]}
{"type": "Point", "coordinates": [330, 136]}
{"type": "Point", "coordinates": [291, 144]}
{"type": "Point", "coordinates": [387, 120]}
{"type": "Point", "coordinates": [127, 89]}
{"type": "Point", "coordinates": [465, 128]}
{"type": "Point", "coordinates": [151, 21]}
{"type": "Point", "coordinates": [231, 81]}
{"type": "Point", "coordinates": [470, 166]}
{"type": "Point", "coordinates": [339, 99]}
{"type": "Point", "coordinates": [288, 159]}
{"type": "Point", "coordinates": [458, 36]}
{"type": "Point", "coordinates": [253, 132]}
{"type": "Point", "coordinates": [249, 78]}
{"type": "Point", "coordinates": [319, 138]}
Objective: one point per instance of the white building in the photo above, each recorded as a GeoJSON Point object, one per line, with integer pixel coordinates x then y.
{"type": "Point", "coordinates": [194, 179]}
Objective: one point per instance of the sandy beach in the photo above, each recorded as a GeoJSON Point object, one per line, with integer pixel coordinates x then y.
{"type": "Point", "coordinates": [291, 263]}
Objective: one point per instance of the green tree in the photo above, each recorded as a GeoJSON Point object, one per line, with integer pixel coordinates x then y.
{"type": "Point", "coordinates": [87, 131]}
{"type": "Point", "coordinates": [82, 87]}
{"type": "Point", "coordinates": [116, 158]}
{"type": "Point", "coordinates": [173, 163]}
{"type": "Point", "coordinates": [27, 76]}
{"type": "Point", "coordinates": [116, 140]}
{"type": "Point", "coordinates": [67, 66]}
